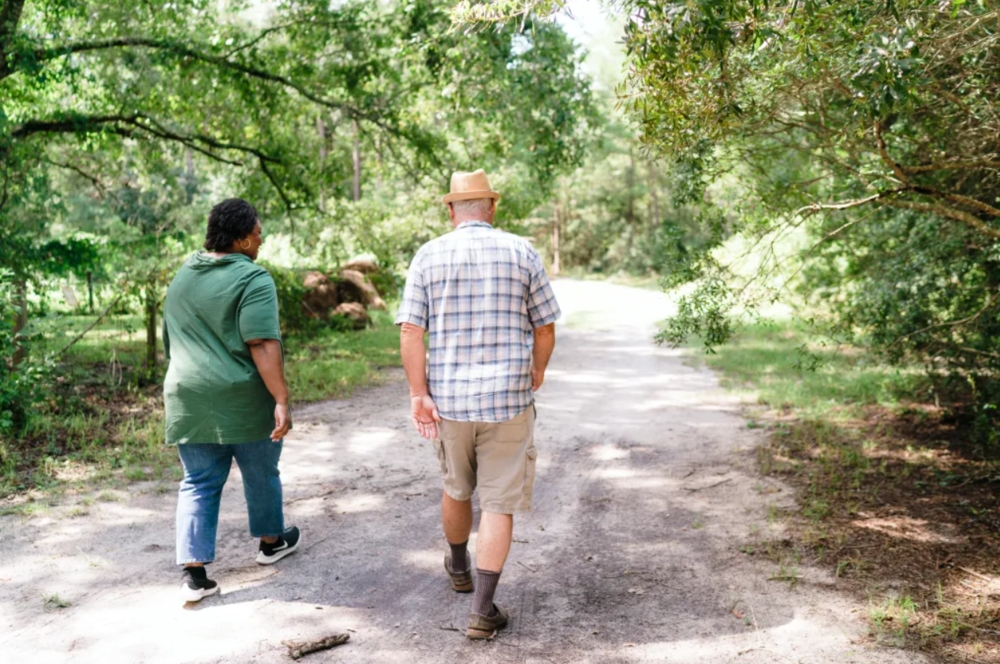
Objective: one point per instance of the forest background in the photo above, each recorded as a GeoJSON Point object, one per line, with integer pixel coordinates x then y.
{"type": "Point", "coordinates": [815, 182]}
{"type": "Point", "coordinates": [122, 124]}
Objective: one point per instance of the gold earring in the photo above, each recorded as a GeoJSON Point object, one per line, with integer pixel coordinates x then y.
{"type": "Point", "coordinates": [245, 245]}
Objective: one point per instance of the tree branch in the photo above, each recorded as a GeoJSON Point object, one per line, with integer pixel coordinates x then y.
{"type": "Point", "coordinates": [845, 205]}
{"type": "Point", "coordinates": [885, 155]}
{"type": "Point", "coordinates": [10, 16]}
{"type": "Point", "coordinates": [90, 327]}
{"type": "Point", "coordinates": [140, 122]}
{"type": "Point", "coordinates": [958, 198]}
{"type": "Point", "coordinates": [102, 191]}
{"type": "Point", "coordinates": [954, 323]}
{"type": "Point", "coordinates": [274, 183]}
{"type": "Point", "coordinates": [952, 166]}
{"type": "Point", "coordinates": [969, 220]}
{"type": "Point", "coordinates": [44, 54]}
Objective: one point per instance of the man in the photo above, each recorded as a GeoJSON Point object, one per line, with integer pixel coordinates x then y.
{"type": "Point", "coordinates": [485, 299]}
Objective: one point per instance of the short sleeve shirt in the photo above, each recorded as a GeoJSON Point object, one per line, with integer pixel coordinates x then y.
{"type": "Point", "coordinates": [213, 392]}
{"type": "Point", "coordinates": [479, 292]}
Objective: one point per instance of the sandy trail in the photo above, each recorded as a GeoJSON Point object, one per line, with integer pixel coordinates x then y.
{"type": "Point", "coordinates": [645, 493]}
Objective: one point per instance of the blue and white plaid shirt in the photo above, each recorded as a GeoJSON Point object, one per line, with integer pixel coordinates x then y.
{"type": "Point", "coordinates": [479, 292]}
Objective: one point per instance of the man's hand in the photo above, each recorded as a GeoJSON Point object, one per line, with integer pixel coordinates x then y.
{"type": "Point", "coordinates": [425, 416]}
{"type": "Point", "coordinates": [537, 378]}
{"type": "Point", "coordinates": [282, 421]}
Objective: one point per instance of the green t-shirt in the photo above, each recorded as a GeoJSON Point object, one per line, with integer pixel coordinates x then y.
{"type": "Point", "coordinates": [213, 392]}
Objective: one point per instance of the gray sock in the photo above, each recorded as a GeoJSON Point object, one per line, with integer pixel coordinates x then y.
{"type": "Point", "coordinates": [459, 556]}
{"type": "Point", "coordinates": [486, 587]}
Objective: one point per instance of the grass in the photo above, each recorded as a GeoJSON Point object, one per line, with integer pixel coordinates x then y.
{"type": "Point", "coordinates": [103, 422]}
{"type": "Point", "coordinates": [333, 364]}
{"type": "Point", "coordinates": [892, 490]}
{"type": "Point", "coordinates": [54, 602]}
{"type": "Point", "coordinates": [789, 368]}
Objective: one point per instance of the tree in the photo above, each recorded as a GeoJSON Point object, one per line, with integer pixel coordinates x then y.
{"type": "Point", "coordinates": [869, 126]}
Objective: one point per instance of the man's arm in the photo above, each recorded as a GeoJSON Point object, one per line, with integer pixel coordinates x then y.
{"type": "Point", "coordinates": [545, 343]}
{"type": "Point", "coordinates": [266, 354]}
{"type": "Point", "coordinates": [422, 409]}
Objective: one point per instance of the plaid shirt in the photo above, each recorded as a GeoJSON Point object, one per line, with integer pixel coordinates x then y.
{"type": "Point", "coordinates": [479, 292]}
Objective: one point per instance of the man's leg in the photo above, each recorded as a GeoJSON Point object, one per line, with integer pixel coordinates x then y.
{"type": "Point", "coordinates": [456, 517]}
{"type": "Point", "coordinates": [492, 547]}
{"type": "Point", "coordinates": [455, 451]}
{"type": "Point", "coordinates": [505, 455]}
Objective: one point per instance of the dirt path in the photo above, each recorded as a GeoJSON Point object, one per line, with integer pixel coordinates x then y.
{"type": "Point", "coordinates": [645, 494]}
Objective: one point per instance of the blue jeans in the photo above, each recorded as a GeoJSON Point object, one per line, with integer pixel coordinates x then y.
{"type": "Point", "coordinates": [206, 469]}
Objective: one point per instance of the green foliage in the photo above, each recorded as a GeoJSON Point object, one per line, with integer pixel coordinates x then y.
{"type": "Point", "coordinates": [865, 129]}
{"type": "Point", "coordinates": [333, 363]}
{"type": "Point", "coordinates": [792, 367]}
{"type": "Point", "coordinates": [23, 385]}
{"type": "Point", "coordinates": [294, 317]}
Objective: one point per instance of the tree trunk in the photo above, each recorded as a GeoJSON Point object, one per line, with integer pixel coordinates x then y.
{"type": "Point", "coordinates": [555, 240]}
{"type": "Point", "coordinates": [630, 187]}
{"type": "Point", "coordinates": [321, 128]}
{"type": "Point", "coordinates": [90, 291]}
{"type": "Point", "coordinates": [21, 322]}
{"type": "Point", "coordinates": [378, 162]}
{"type": "Point", "coordinates": [151, 306]}
{"type": "Point", "coordinates": [357, 160]}
{"type": "Point", "coordinates": [654, 198]}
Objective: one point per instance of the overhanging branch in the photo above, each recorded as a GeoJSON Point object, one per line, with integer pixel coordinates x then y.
{"type": "Point", "coordinates": [182, 50]}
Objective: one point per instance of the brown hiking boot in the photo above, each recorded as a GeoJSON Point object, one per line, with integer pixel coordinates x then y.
{"type": "Point", "coordinates": [461, 582]}
{"type": "Point", "coordinates": [483, 627]}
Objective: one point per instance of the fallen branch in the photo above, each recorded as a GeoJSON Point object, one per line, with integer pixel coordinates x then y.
{"type": "Point", "coordinates": [92, 325]}
{"type": "Point", "coordinates": [728, 479]}
{"type": "Point", "coordinates": [978, 575]}
{"type": "Point", "coordinates": [299, 649]}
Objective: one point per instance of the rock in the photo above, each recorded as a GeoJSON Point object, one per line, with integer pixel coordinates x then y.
{"type": "Point", "coordinates": [362, 265]}
{"type": "Point", "coordinates": [323, 294]}
{"type": "Point", "coordinates": [359, 290]}
{"type": "Point", "coordinates": [355, 311]}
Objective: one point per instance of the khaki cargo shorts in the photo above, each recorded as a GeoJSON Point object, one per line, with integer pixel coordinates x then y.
{"type": "Point", "coordinates": [497, 458]}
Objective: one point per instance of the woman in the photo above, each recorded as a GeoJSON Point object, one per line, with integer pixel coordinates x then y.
{"type": "Point", "coordinates": [225, 392]}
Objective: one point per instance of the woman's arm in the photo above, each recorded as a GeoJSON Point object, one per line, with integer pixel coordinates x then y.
{"type": "Point", "coordinates": [267, 355]}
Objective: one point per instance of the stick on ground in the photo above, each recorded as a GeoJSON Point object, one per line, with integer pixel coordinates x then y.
{"type": "Point", "coordinates": [299, 649]}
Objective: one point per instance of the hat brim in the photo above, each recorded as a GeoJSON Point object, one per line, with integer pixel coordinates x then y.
{"type": "Point", "coordinates": [469, 195]}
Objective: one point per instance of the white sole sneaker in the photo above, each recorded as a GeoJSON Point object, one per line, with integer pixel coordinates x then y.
{"type": "Point", "coordinates": [196, 594]}
{"type": "Point", "coordinates": [264, 559]}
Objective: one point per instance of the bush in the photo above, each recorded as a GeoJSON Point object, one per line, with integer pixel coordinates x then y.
{"type": "Point", "coordinates": [295, 318]}
{"type": "Point", "coordinates": [22, 386]}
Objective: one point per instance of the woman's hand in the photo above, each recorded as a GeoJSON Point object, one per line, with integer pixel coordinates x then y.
{"type": "Point", "coordinates": [425, 416]}
{"type": "Point", "coordinates": [282, 422]}
{"type": "Point", "coordinates": [269, 360]}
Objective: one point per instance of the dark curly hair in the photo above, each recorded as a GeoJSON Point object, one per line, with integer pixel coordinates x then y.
{"type": "Point", "coordinates": [232, 219]}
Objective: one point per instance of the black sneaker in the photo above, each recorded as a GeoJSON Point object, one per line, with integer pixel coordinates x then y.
{"type": "Point", "coordinates": [286, 545]}
{"type": "Point", "coordinates": [197, 585]}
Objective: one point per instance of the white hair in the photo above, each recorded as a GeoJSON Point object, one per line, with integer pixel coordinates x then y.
{"type": "Point", "coordinates": [474, 207]}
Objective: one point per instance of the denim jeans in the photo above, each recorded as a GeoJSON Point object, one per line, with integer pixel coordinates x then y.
{"type": "Point", "coordinates": [206, 469]}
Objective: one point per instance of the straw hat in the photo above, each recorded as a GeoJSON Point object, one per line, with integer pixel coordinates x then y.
{"type": "Point", "coordinates": [466, 186]}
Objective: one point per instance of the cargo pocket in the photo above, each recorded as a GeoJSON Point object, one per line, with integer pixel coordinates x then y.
{"type": "Point", "coordinates": [530, 455]}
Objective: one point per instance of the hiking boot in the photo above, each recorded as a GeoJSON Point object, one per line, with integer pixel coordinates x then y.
{"type": "Point", "coordinates": [196, 585]}
{"type": "Point", "coordinates": [486, 627]}
{"type": "Point", "coordinates": [285, 546]}
{"type": "Point", "coordinates": [461, 582]}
